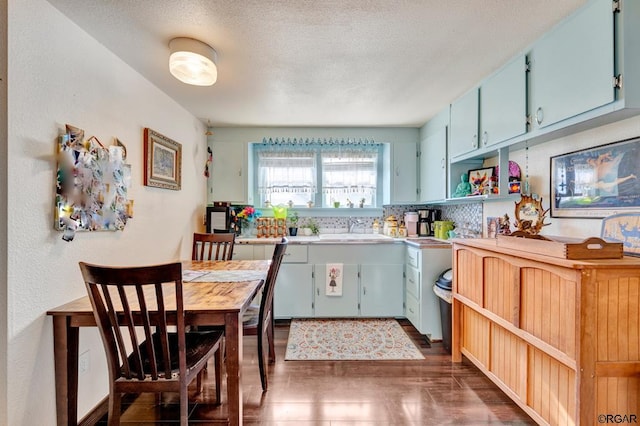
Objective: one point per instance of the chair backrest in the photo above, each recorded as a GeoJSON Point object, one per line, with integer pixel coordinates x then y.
{"type": "Point", "coordinates": [123, 298]}
{"type": "Point", "coordinates": [203, 246]}
{"type": "Point", "coordinates": [265, 315]}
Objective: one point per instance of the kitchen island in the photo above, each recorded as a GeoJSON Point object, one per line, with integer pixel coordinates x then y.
{"type": "Point", "coordinates": [559, 337]}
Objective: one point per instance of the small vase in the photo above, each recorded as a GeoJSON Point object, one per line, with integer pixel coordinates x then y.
{"type": "Point", "coordinates": [247, 230]}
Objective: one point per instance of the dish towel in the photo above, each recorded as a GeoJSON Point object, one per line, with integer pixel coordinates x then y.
{"type": "Point", "coordinates": [334, 279]}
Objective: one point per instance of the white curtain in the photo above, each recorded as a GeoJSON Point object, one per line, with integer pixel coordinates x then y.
{"type": "Point", "coordinates": [352, 171]}
{"type": "Point", "coordinates": [291, 172]}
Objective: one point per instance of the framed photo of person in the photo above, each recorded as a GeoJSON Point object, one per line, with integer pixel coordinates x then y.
{"type": "Point", "coordinates": [596, 182]}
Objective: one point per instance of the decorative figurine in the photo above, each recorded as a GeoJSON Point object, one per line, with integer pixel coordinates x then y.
{"type": "Point", "coordinates": [504, 225]}
{"type": "Point", "coordinates": [464, 187]}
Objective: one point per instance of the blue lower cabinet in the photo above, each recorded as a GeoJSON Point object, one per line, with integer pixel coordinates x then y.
{"type": "Point", "coordinates": [336, 293]}
{"type": "Point", "coordinates": [293, 296]}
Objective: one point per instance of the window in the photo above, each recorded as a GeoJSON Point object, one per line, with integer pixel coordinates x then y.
{"type": "Point", "coordinates": [322, 173]}
{"type": "Point", "coordinates": [349, 177]}
{"type": "Point", "coordinates": [285, 175]}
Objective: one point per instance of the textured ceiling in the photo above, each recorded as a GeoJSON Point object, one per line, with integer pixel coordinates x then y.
{"type": "Point", "coordinates": [321, 63]}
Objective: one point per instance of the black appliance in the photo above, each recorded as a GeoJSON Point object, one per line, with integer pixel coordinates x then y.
{"type": "Point", "coordinates": [426, 221]}
{"type": "Point", "coordinates": [222, 216]}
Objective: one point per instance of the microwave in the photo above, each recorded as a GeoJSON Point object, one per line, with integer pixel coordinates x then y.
{"type": "Point", "coordinates": [222, 217]}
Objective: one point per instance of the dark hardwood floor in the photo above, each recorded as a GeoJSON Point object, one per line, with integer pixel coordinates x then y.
{"type": "Point", "coordinates": [433, 391]}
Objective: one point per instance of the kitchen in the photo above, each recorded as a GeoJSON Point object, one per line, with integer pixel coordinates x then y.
{"type": "Point", "coordinates": [53, 66]}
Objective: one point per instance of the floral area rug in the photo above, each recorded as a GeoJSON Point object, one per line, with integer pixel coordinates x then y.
{"type": "Point", "coordinates": [349, 339]}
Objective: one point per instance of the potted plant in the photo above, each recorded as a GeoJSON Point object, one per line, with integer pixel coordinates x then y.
{"type": "Point", "coordinates": [312, 227]}
{"type": "Point", "coordinates": [293, 223]}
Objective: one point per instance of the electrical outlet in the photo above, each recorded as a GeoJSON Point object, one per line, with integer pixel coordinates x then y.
{"type": "Point", "coordinates": [84, 362]}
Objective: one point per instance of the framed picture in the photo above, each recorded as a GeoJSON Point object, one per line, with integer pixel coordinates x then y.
{"type": "Point", "coordinates": [493, 226]}
{"type": "Point", "coordinates": [480, 180]}
{"type": "Point", "coordinates": [162, 161]}
{"type": "Point", "coordinates": [596, 182]}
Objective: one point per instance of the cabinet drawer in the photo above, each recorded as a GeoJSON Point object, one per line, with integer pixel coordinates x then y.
{"type": "Point", "coordinates": [413, 311]}
{"type": "Point", "coordinates": [295, 254]}
{"type": "Point", "coordinates": [413, 281]}
{"type": "Point", "coordinates": [413, 257]}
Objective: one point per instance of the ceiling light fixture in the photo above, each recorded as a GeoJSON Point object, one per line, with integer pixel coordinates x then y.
{"type": "Point", "coordinates": [192, 61]}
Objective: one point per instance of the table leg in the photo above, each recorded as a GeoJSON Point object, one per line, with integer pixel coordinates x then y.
{"type": "Point", "coordinates": [233, 338]}
{"type": "Point", "coordinates": [65, 352]}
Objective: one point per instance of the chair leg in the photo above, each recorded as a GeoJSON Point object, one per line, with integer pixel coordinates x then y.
{"type": "Point", "coordinates": [184, 405]}
{"type": "Point", "coordinates": [114, 408]}
{"type": "Point", "coordinates": [261, 361]}
{"type": "Point", "coordinates": [217, 359]}
{"type": "Point", "coordinates": [199, 380]}
{"type": "Point", "coordinates": [272, 349]}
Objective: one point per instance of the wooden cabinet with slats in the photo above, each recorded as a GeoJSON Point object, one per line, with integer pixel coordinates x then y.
{"type": "Point", "coordinates": [560, 337]}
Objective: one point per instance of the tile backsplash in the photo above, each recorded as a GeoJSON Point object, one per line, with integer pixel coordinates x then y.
{"type": "Point", "coordinates": [465, 215]}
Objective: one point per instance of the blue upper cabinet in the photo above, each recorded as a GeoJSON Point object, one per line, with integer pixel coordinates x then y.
{"type": "Point", "coordinates": [572, 67]}
{"type": "Point", "coordinates": [503, 103]}
{"type": "Point", "coordinates": [493, 113]}
{"type": "Point", "coordinates": [464, 125]}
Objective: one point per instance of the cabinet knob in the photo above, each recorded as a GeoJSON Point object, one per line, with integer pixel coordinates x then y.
{"type": "Point", "coordinates": [443, 163]}
{"type": "Point", "coordinates": [474, 142]}
{"type": "Point", "coordinates": [539, 115]}
{"type": "Point", "coordinates": [485, 138]}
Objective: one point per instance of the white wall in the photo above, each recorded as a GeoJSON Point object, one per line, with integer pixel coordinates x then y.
{"type": "Point", "coordinates": [3, 211]}
{"type": "Point", "coordinates": [539, 175]}
{"type": "Point", "coordinates": [58, 74]}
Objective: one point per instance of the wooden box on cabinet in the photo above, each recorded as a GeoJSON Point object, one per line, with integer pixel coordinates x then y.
{"type": "Point", "coordinates": [560, 337]}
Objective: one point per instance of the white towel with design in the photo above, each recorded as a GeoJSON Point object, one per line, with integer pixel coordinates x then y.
{"type": "Point", "coordinates": [334, 279]}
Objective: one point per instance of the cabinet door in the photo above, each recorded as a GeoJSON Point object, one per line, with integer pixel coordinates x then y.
{"type": "Point", "coordinates": [433, 166]}
{"type": "Point", "coordinates": [228, 179]}
{"type": "Point", "coordinates": [464, 125]}
{"type": "Point", "coordinates": [382, 290]}
{"type": "Point", "coordinates": [503, 103]}
{"type": "Point", "coordinates": [572, 67]}
{"type": "Point", "coordinates": [404, 172]}
{"type": "Point", "coordinates": [293, 297]}
{"type": "Point", "coordinates": [345, 305]}
{"type": "Point", "coordinates": [243, 252]}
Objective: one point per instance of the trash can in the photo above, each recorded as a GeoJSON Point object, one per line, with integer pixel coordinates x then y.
{"type": "Point", "coordinates": [442, 289]}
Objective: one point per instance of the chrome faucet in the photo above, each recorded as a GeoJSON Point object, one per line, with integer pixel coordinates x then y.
{"type": "Point", "coordinates": [353, 223]}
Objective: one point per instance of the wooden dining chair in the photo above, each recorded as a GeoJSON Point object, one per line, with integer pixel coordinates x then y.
{"type": "Point", "coordinates": [133, 318]}
{"type": "Point", "coordinates": [204, 244]}
{"type": "Point", "coordinates": [261, 322]}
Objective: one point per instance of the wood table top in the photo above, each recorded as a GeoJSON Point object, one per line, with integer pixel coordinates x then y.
{"type": "Point", "coordinates": [199, 297]}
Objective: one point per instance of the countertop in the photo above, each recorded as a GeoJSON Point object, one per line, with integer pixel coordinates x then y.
{"type": "Point", "coordinates": [355, 239]}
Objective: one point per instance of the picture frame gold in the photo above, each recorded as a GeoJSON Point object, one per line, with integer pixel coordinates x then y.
{"type": "Point", "coordinates": [162, 161]}
{"type": "Point", "coordinates": [529, 216]}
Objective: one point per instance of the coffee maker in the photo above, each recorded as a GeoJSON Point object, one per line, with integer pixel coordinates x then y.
{"type": "Point", "coordinates": [426, 221]}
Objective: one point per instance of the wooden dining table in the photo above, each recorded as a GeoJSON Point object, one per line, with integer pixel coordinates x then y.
{"type": "Point", "coordinates": [207, 301]}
